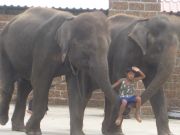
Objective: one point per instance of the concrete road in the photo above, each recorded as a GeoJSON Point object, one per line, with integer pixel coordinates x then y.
{"type": "Point", "coordinates": [56, 122]}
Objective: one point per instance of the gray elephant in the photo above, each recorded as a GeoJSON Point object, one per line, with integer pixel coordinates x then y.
{"type": "Point", "coordinates": [151, 45]}
{"type": "Point", "coordinates": [43, 43]}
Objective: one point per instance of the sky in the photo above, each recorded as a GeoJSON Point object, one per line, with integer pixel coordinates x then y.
{"type": "Point", "coordinates": [98, 4]}
{"type": "Point", "coordinates": [166, 5]}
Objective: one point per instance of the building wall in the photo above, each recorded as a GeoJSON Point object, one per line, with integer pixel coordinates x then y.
{"type": "Point", "coordinates": [143, 8]}
{"type": "Point", "coordinates": [58, 93]}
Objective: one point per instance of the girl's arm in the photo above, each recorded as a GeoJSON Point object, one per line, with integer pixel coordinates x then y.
{"type": "Point", "coordinates": [117, 83]}
{"type": "Point", "coordinates": [142, 75]}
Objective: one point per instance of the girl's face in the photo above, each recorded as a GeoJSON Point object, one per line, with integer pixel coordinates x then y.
{"type": "Point", "coordinates": [130, 75]}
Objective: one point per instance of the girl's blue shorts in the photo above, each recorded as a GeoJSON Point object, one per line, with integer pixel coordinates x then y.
{"type": "Point", "coordinates": [129, 99]}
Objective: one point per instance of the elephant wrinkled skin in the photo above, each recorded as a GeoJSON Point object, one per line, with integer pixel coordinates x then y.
{"type": "Point", "coordinates": [151, 45]}
{"type": "Point", "coordinates": [43, 43]}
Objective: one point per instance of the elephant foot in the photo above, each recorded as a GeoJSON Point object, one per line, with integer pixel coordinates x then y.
{"type": "Point", "coordinates": [117, 131]}
{"type": "Point", "coordinates": [32, 130]}
{"type": "Point", "coordinates": [166, 133]}
{"type": "Point", "coordinates": [18, 127]}
{"type": "Point", "coordinates": [34, 133]}
{"type": "Point", "coordinates": [78, 133]}
{"type": "Point", "coordinates": [3, 119]}
{"type": "Point", "coordinates": [113, 133]}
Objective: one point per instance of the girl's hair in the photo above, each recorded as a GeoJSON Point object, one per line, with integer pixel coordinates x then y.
{"type": "Point", "coordinates": [129, 69]}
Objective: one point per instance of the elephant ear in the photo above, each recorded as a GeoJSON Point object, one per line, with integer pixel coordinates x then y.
{"type": "Point", "coordinates": [63, 36]}
{"type": "Point", "coordinates": [139, 35]}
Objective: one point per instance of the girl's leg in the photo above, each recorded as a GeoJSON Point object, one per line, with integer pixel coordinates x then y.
{"type": "Point", "coordinates": [121, 110]}
{"type": "Point", "coordinates": [138, 105]}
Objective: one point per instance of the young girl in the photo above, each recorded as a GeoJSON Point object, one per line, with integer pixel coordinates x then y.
{"type": "Point", "coordinates": [127, 93]}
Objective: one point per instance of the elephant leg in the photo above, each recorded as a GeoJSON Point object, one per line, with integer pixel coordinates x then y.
{"type": "Point", "coordinates": [41, 80]}
{"type": "Point", "coordinates": [107, 127]}
{"type": "Point", "coordinates": [6, 89]}
{"type": "Point", "coordinates": [158, 103]}
{"type": "Point", "coordinates": [77, 102]}
{"type": "Point", "coordinates": [159, 107]}
{"type": "Point", "coordinates": [23, 90]}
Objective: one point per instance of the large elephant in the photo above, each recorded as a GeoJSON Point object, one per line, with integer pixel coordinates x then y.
{"type": "Point", "coordinates": [151, 45]}
{"type": "Point", "coordinates": [42, 43]}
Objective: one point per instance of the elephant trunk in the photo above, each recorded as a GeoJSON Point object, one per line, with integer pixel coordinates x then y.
{"type": "Point", "coordinates": [100, 73]}
{"type": "Point", "coordinates": [164, 70]}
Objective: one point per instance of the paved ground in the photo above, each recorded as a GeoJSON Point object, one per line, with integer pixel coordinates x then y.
{"type": "Point", "coordinates": [56, 122]}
